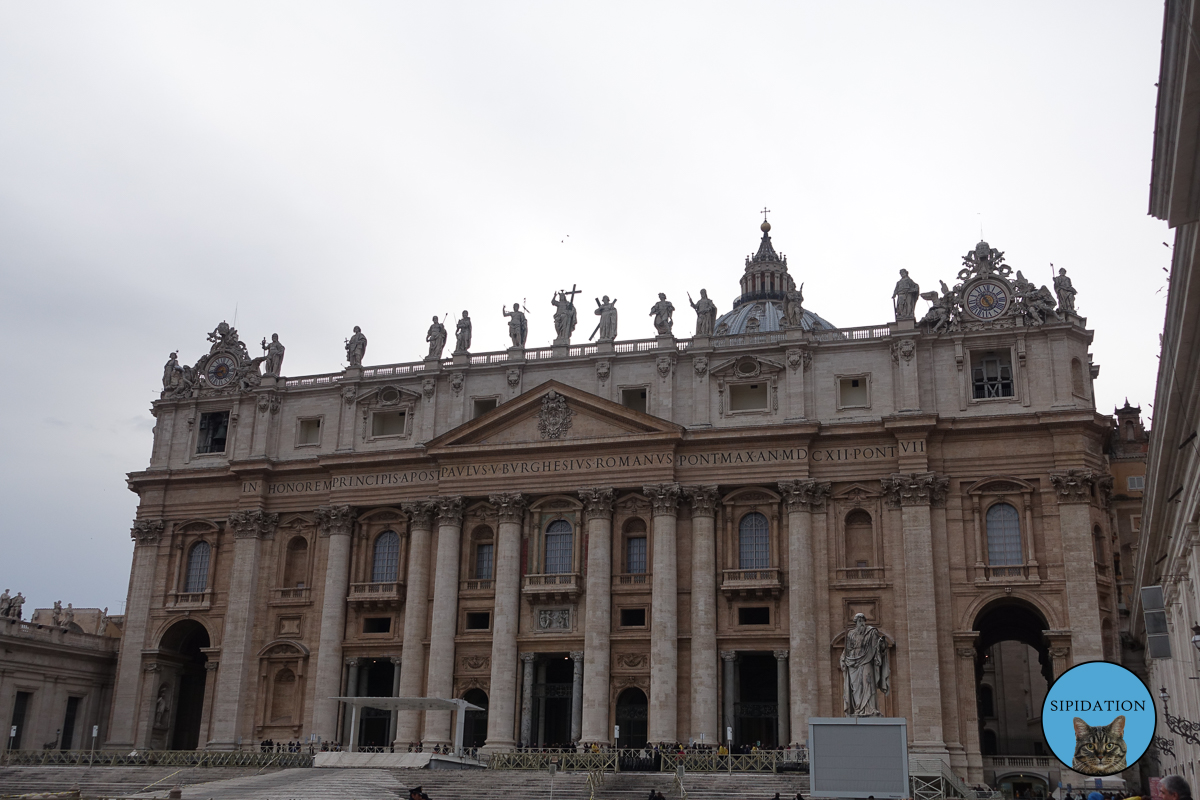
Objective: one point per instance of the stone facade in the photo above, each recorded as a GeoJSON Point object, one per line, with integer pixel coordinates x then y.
{"type": "Point", "coordinates": [672, 536]}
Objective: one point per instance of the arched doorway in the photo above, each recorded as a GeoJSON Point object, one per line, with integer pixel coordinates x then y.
{"type": "Point", "coordinates": [1013, 672]}
{"type": "Point", "coordinates": [182, 648]}
{"type": "Point", "coordinates": [475, 723]}
{"type": "Point", "coordinates": [632, 714]}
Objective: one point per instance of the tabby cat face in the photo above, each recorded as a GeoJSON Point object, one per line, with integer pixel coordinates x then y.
{"type": "Point", "coordinates": [1099, 750]}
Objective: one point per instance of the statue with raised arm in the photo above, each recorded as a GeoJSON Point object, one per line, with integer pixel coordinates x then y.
{"type": "Point", "coordinates": [14, 607]}
{"type": "Point", "coordinates": [356, 347]}
{"type": "Point", "coordinates": [905, 297]}
{"type": "Point", "coordinates": [462, 335]}
{"type": "Point", "coordinates": [664, 315]}
{"type": "Point", "coordinates": [518, 326]}
{"type": "Point", "coordinates": [793, 310]}
{"type": "Point", "coordinates": [565, 317]}
{"type": "Point", "coordinates": [865, 669]}
{"type": "Point", "coordinates": [1065, 292]}
{"type": "Point", "coordinates": [170, 370]}
{"type": "Point", "coordinates": [706, 313]}
{"type": "Point", "coordinates": [436, 336]}
{"type": "Point", "coordinates": [607, 311]}
{"type": "Point", "coordinates": [938, 315]}
{"type": "Point", "coordinates": [274, 355]}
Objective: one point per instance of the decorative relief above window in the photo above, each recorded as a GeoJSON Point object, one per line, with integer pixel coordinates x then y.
{"type": "Point", "coordinates": [554, 619]}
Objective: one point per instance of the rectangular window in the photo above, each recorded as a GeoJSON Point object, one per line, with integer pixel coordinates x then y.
{"type": "Point", "coordinates": [483, 562]}
{"type": "Point", "coordinates": [754, 615]}
{"type": "Point", "coordinates": [377, 625]}
{"type": "Point", "coordinates": [387, 423]}
{"type": "Point", "coordinates": [748, 397]}
{"type": "Point", "coordinates": [558, 553]}
{"type": "Point", "coordinates": [854, 392]}
{"type": "Point", "coordinates": [634, 398]}
{"type": "Point", "coordinates": [1135, 483]}
{"type": "Point", "coordinates": [635, 555]}
{"type": "Point", "coordinates": [68, 728]}
{"type": "Point", "coordinates": [214, 428]}
{"type": "Point", "coordinates": [1135, 523]}
{"type": "Point", "coordinates": [310, 432]}
{"type": "Point", "coordinates": [20, 707]}
{"type": "Point", "coordinates": [482, 405]}
{"type": "Point", "coordinates": [633, 617]}
{"type": "Point", "coordinates": [478, 620]}
{"type": "Point", "coordinates": [991, 375]}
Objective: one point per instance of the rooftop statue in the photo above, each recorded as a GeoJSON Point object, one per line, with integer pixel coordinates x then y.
{"type": "Point", "coordinates": [225, 337]}
{"type": "Point", "coordinates": [462, 335]}
{"type": "Point", "coordinates": [938, 317]}
{"type": "Point", "coordinates": [663, 313]}
{"type": "Point", "coordinates": [983, 262]}
{"type": "Point", "coordinates": [793, 310]}
{"type": "Point", "coordinates": [5, 602]}
{"type": "Point", "coordinates": [356, 347]}
{"type": "Point", "coordinates": [518, 327]}
{"type": "Point", "coordinates": [274, 354]}
{"type": "Point", "coordinates": [565, 317]}
{"type": "Point", "coordinates": [865, 669]}
{"type": "Point", "coordinates": [905, 297]}
{"type": "Point", "coordinates": [706, 313]}
{"type": "Point", "coordinates": [1039, 305]}
{"type": "Point", "coordinates": [14, 607]}
{"type": "Point", "coordinates": [607, 327]}
{"type": "Point", "coordinates": [436, 336]}
{"type": "Point", "coordinates": [170, 371]}
{"type": "Point", "coordinates": [1065, 292]}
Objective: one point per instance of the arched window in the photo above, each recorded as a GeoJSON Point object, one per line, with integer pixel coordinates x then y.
{"type": "Point", "coordinates": [754, 544]}
{"type": "Point", "coordinates": [485, 553]}
{"type": "Point", "coordinates": [197, 568]}
{"type": "Point", "coordinates": [635, 546]}
{"type": "Point", "coordinates": [1004, 535]}
{"type": "Point", "coordinates": [387, 558]}
{"type": "Point", "coordinates": [559, 547]}
{"type": "Point", "coordinates": [860, 540]}
{"type": "Point", "coordinates": [283, 696]}
{"type": "Point", "coordinates": [295, 568]}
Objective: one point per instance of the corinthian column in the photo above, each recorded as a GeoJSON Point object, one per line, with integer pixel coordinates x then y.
{"type": "Point", "coordinates": [598, 509]}
{"type": "Point", "coordinates": [800, 498]}
{"type": "Point", "coordinates": [334, 523]}
{"type": "Point", "coordinates": [705, 726]}
{"type": "Point", "coordinates": [1074, 491]}
{"type": "Point", "coordinates": [506, 572]}
{"type": "Point", "coordinates": [664, 616]}
{"type": "Point", "coordinates": [445, 615]}
{"type": "Point", "coordinates": [576, 696]}
{"type": "Point", "coordinates": [122, 729]}
{"type": "Point", "coordinates": [416, 607]}
{"type": "Point", "coordinates": [913, 493]}
{"type": "Point", "coordinates": [249, 529]}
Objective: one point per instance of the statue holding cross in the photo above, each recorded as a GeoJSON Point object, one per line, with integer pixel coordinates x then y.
{"type": "Point", "coordinates": [564, 315]}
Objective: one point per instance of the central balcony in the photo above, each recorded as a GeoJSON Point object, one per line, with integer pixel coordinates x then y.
{"type": "Point", "coordinates": [376, 595]}
{"type": "Point", "coordinates": [751, 582]}
{"type": "Point", "coordinates": [551, 586]}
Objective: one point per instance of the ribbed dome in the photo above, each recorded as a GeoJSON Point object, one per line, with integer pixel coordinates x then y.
{"type": "Point", "coordinates": [763, 317]}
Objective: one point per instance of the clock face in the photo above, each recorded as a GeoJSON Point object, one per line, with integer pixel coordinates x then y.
{"type": "Point", "coordinates": [221, 370]}
{"type": "Point", "coordinates": [987, 299]}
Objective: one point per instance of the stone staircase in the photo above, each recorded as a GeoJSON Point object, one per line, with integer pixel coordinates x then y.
{"type": "Point", "coordinates": [355, 784]}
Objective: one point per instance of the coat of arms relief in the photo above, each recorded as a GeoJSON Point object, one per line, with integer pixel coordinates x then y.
{"type": "Point", "coordinates": [555, 418]}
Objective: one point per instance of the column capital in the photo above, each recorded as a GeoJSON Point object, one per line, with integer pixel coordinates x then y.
{"type": "Point", "coordinates": [153, 666]}
{"type": "Point", "coordinates": [255, 524]}
{"type": "Point", "coordinates": [1074, 485]}
{"type": "Point", "coordinates": [915, 489]}
{"type": "Point", "coordinates": [804, 495]}
{"type": "Point", "coordinates": [597, 502]}
{"type": "Point", "coordinates": [510, 506]}
{"type": "Point", "coordinates": [395, 660]}
{"type": "Point", "coordinates": [577, 655]}
{"type": "Point", "coordinates": [449, 510]}
{"type": "Point", "coordinates": [146, 531]}
{"type": "Point", "coordinates": [664, 498]}
{"type": "Point", "coordinates": [528, 657]}
{"type": "Point", "coordinates": [211, 666]}
{"type": "Point", "coordinates": [334, 521]}
{"type": "Point", "coordinates": [781, 655]}
{"type": "Point", "coordinates": [420, 514]}
{"type": "Point", "coordinates": [352, 662]}
{"type": "Point", "coordinates": [703, 499]}
{"type": "Point", "coordinates": [729, 655]}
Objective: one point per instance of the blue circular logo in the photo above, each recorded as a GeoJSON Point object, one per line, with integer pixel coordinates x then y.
{"type": "Point", "coordinates": [1098, 718]}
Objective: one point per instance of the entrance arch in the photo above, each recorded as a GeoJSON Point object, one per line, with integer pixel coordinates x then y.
{"type": "Point", "coordinates": [182, 709]}
{"type": "Point", "coordinates": [475, 722]}
{"type": "Point", "coordinates": [632, 714]}
{"type": "Point", "coordinates": [1013, 672]}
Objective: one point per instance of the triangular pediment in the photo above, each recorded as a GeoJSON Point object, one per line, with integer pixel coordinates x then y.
{"type": "Point", "coordinates": [554, 413]}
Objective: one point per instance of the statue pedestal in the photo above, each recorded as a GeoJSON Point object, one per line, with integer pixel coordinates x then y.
{"type": "Point", "coordinates": [352, 374]}
{"type": "Point", "coordinates": [903, 325]}
{"type": "Point", "coordinates": [516, 354]}
{"type": "Point", "coordinates": [666, 341]}
{"type": "Point", "coordinates": [270, 382]}
{"type": "Point", "coordinates": [700, 343]}
{"type": "Point", "coordinates": [462, 359]}
{"type": "Point", "coordinates": [433, 364]}
{"type": "Point", "coordinates": [793, 334]}
{"type": "Point", "coordinates": [605, 347]}
{"type": "Point", "coordinates": [560, 350]}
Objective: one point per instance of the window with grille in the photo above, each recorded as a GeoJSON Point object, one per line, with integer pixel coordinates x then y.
{"type": "Point", "coordinates": [214, 430]}
{"type": "Point", "coordinates": [635, 555]}
{"type": "Point", "coordinates": [558, 547]}
{"type": "Point", "coordinates": [387, 558]}
{"type": "Point", "coordinates": [1004, 535]}
{"type": "Point", "coordinates": [754, 550]}
{"type": "Point", "coordinates": [197, 568]}
{"type": "Point", "coordinates": [991, 375]}
{"type": "Point", "coordinates": [483, 562]}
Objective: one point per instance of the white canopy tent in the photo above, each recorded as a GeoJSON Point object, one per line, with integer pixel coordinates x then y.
{"type": "Point", "coordinates": [409, 704]}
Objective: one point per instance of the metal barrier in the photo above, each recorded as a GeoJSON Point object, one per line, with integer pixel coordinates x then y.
{"type": "Point", "coordinates": [604, 761]}
{"type": "Point", "coordinates": [639, 760]}
{"type": "Point", "coordinates": [932, 779]}
{"type": "Point", "coordinates": [152, 758]}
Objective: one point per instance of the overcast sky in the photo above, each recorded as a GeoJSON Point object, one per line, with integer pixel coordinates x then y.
{"type": "Point", "coordinates": [310, 167]}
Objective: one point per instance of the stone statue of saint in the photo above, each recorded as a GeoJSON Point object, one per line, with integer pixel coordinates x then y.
{"type": "Point", "coordinates": [462, 335]}
{"type": "Point", "coordinates": [68, 616]}
{"type": "Point", "coordinates": [518, 327]}
{"type": "Point", "coordinates": [564, 316]}
{"type": "Point", "coordinates": [5, 603]}
{"type": "Point", "coordinates": [865, 669]}
{"type": "Point", "coordinates": [706, 313]}
{"type": "Point", "coordinates": [436, 336]}
{"type": "Point", "coordinates": [102, 626]}
{"type": "Point", "coordinates": [663, 313]}
{"type": "Point", "coordinates": [1065, 292]}
{"type": "Point", "coordinates": [162, 709]}
{"type": "Point", "coordinates": [905, 296]}
{"type": "Point", "coordinates": [1039, 305]}
{"type": "Point", "coordinates": [274, 355]}
{"type": "Point", "coordinates": [56, 615]}
{"type": "Point", "coordinates": [607, 311]}
{"type": "Point", "coordinates": [356, 347]}
{"type": "Point", "coordinates": [169, 370]}
{"type": "Point", "coordinates": [14, 607]}
{"type": "Point", "coordinates": [793, 312]}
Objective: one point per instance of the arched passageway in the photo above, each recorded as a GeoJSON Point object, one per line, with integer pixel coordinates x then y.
{"type": "Point", "coordinates": [632, 715]}
{"type": "Point", "coordinates": [179, 703]}
{"type": "Point", "coordinates": [1013, 672]}
{"type": "Point", "coordinates": [475, 723]}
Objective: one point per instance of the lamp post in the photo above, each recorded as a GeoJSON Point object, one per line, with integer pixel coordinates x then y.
{"type": "Point", "coordinates": [1190, 731]}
